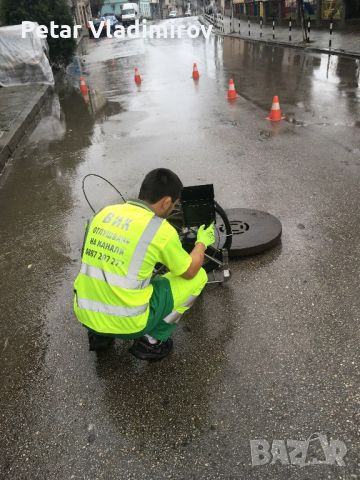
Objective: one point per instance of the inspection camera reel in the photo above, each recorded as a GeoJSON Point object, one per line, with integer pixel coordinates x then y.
{"type": "Point", "coordinates": [198, 207]}
{"type": "Point", "coordinates": [216, 262]}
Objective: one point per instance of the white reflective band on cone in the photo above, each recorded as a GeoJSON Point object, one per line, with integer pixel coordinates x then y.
{"type": "Point", "coordinates": [114, 310]}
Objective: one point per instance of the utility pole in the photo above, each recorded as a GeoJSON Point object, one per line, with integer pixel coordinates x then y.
{"type": "Point", "coordinates": [302, 18]}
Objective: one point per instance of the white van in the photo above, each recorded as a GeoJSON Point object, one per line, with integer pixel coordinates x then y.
{"type": "Point", "coordinates": [130, 13]}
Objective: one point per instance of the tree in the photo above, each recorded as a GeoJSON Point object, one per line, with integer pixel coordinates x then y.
{"type": "Point", "coordinates": [43, 12]}
{"type": "Point", "coordinates": [96, 6]}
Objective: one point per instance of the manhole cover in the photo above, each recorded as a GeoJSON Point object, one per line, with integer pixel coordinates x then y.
{"type": "Point", "coordinates": [253, 231]}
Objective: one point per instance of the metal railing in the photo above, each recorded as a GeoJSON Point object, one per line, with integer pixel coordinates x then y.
{"type": "Point", "coordinates": [217, 20]}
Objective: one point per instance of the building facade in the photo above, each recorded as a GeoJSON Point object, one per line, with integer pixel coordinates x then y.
{"type": "Point", "coordinates": [81, 11]}
{"type": "Point", "coordinates": [114, 6]}
{"type": "Point", "coordinates": [318, 10]}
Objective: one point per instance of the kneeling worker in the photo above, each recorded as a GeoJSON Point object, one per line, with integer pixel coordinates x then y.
{"type": "Point", "coordinates": [115, 294]}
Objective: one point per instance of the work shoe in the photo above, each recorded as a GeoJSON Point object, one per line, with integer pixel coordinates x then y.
{"type": "Point", "coordinates": [99, 343]}
{"type": "Point", "coordinates": [144, 350]}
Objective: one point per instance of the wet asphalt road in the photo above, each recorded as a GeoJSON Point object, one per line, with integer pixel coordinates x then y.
{"type": "Point", "coordinates": [273, 354]}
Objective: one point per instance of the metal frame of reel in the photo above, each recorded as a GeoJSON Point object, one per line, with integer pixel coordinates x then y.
{"type": "Point", "coordinates": [220, 271]}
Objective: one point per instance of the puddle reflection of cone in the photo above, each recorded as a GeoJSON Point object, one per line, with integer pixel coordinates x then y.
{"type": "Point", "coordinates": [195, 73]}
{"type": "Point", "coordinates": [137, 77]}
{"type": "Point", "coordinates": [231, 92]}
{"type": "Point", "coordinates": [83, 87]}
{"type": "Point", "coordinates": [275, 114]}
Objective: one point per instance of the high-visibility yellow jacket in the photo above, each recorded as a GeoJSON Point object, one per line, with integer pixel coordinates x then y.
{"type": "Point", "coordinates": [122, 246]}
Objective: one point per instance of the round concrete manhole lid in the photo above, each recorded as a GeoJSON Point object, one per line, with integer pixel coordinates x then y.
{"type": "Point", "coordinates": [253, 231]}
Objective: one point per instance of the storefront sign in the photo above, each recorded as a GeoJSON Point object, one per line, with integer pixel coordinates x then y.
{"type": "Point", "coordinates": [332, 9]}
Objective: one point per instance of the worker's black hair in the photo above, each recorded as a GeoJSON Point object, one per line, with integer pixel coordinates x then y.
{"type": "Point", "coordinates": [160, 183]}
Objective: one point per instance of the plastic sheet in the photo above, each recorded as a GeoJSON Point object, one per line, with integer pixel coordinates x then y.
{"type": "Point", "coordinates": [23, 61]}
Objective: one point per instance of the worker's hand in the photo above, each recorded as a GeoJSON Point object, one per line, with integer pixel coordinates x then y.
{"type": "Point", "coordinates": [206, 235]}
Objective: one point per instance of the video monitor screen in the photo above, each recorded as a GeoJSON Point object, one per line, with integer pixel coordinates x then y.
{"type": "Point", "coordinates": [198, 205]}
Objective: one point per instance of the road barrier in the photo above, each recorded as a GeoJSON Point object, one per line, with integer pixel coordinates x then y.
{"type": "Point", "coordinates": [273, 28]}
{"type": "Point", "coordinates": [219, 24]}
{"type": "Point", "coordinates": [216, 20]}
{"type": "Point", "coordinates": [290, 27]}
{"type": "Point", "coordinates": [209, 18]}
{"type": "Point", "coordinates": [331, 31]}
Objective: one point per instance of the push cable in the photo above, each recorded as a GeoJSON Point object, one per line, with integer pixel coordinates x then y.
{"type": "Point", "coordinates": [105, 180]}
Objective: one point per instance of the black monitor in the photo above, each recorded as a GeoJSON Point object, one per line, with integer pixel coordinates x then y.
{"type": "Point", "coordinates": [198, 205]}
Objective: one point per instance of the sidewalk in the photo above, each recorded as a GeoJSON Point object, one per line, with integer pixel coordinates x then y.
{"type": "Point", "coordinates": [343, 42]}
{"type": "Point", "coordinates": [19, 107]}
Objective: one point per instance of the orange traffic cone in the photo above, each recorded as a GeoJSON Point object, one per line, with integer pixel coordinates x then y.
{"type": "Point", "coordinates": [195, 73]}
{"type": "Point", "coordinates": [83, 87]}
{"type": "Point", "coordinates": [275, 114]}
{"type": "Point", "coordinates": [137, 77]}
{"type": "Point", "coordinates": [231, 92]}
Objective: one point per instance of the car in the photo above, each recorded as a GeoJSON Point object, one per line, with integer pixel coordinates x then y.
{"type": "Point", "coordinates": [112, 20]}
{"type": "Point", "coordinates": [96, 26]}
{"type": "Point", "coordinates": [106, 18]}
{"type": "Point", "coordinates": [188, 13]}
{"type": "Point", "coordinates": [173, 14]}
{"type": "Point", "coordinates": [130, 13]}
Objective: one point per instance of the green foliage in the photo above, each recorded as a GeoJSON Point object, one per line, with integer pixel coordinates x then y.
{"type": "Point", "coordinates": [43, 12]}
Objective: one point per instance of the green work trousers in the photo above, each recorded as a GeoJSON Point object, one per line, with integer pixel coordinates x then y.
{"type": "Point", "coordinates": [172, 297]}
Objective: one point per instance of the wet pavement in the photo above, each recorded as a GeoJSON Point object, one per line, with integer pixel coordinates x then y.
{"type": "Point", "coordinates": [18, 106]}
{"type": "Point", "coordinates": [273, 354]}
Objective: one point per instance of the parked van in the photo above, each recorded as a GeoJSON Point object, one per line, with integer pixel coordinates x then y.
{"type": "Point", "coordinates": [130, 13]}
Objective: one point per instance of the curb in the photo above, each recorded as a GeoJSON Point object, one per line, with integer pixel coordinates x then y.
{"type": "Point", "coordinates": [278, 43]}
{"type": "Point", "coordinates": [11, 139]}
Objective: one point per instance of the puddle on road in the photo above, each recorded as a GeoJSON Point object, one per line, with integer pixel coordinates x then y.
{"type": "Point", "coordinates": [311, 86]}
